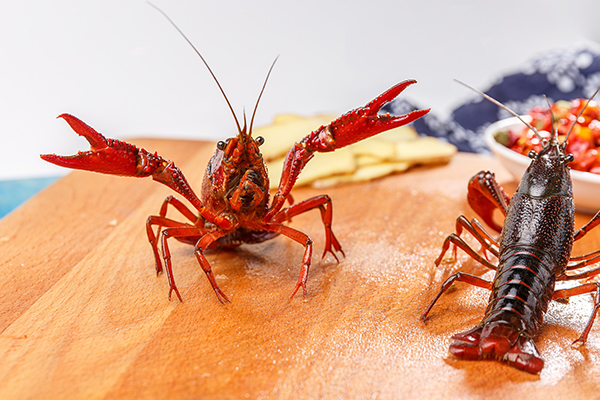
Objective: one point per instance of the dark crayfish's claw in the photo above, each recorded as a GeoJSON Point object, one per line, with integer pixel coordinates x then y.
{"type": "Point", "coordinates": [485, 195]}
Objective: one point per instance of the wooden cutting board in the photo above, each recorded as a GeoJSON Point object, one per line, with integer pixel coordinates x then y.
{"type": "Point", "coordinates": [83, 315]}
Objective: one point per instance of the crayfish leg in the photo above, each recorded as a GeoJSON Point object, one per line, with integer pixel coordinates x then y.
{"type": "Point", "coordinates": [304, 240]}
{"type": "Point", "coordinates": [461, 277]}
{"type": "Point", "coordinates": [183, 232]}
{"type": "Point", "coordinates": [457, 241]}
{"type": "Point", "coordinates": [324, 204]}
{"type": "Point", "coordinates": [577, 290]}
{"type": "Point", "coordinates": [202, 245]}
{"type": "Point", "coordinates": [211, 278]}
{"type": "Point", "coordinates": [478, 232]}
{"type": "Point", "coordinates": [161, 221]}
{"type": "Point", "coordinates": [303, 277]}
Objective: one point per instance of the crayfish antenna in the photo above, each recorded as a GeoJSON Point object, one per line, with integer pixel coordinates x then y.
{"type": "Point", "coordinates": [243, 135]}
{"type": "Point", "coordinates": [260, 95]}
{"type": "Point", "coordinates": [554, 134]}
{"type": "Point", "coordinates": [496, 102]}
{"type": "Point", "coordinates": [580, 112]}
{"type": "Point", "coordinates": [203, 60]}
{"type": "Point", "coordinates": [249, 131]}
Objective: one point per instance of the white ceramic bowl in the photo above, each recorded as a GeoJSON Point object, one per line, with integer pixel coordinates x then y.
{"type": "Point", "coordinates": [586, 186]}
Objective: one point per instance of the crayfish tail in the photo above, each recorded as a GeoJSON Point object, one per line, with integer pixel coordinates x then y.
{"type": "Point", "coordinates": [501, 342]}
{"type": "Point", "coordinates": [466, 344]}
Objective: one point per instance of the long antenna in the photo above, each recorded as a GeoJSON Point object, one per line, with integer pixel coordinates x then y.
{"type": "Point", "coordinates": [496, 102]}
{"type": "Point", "coordinates": [580, 112]}
{"type": "Point", "coordinates": [203, 60]}
{"type": "Point", "coordinates": [261, 93]}
{"type": "Point", "coordinates": [554, 127]}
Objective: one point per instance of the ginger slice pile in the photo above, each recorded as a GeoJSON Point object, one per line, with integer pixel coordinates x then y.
{"type": "Point", "coordinates": [389, 152]}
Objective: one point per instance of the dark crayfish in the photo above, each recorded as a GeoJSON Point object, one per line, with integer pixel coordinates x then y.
{"type": "Point", "coordinates": [534, 251]}
{"type": "Point", "coordinates": [233, 207]}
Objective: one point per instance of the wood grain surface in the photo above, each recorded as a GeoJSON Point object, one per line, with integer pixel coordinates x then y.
{"type": "Point", "coordinates": [83, 315]}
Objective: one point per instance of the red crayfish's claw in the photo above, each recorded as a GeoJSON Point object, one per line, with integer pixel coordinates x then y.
{"type": "Point", "coordinates": [107, 156]}
{"type": "Point", "coordinates": [115, 157]}
{"type": "Point", "coordinates": [485, 195]}
{"type": "Point", "coordinates": [361, 123]}
{"type": "Point", "coordinates": [352, 127]}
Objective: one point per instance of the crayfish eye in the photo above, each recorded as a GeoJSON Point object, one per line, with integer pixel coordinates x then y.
{"type": "Point", "coordinates": [569, 158]}
{"type": "Point", "coordinates": [259, 140]}
{"type": "Point", "coordinates": [220, 145]}
{"type": "Point", "coordinates": [532, 154]}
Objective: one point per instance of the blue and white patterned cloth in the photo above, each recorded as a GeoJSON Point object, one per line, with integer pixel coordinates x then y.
{"type": "Point", "coordinates": [560, 75]}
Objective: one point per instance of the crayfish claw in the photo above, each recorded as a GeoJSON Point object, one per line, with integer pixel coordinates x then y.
{"type": "Point", "coordinates": [387, 96]}
{"type": "Point", "coordinates": [96, 140]}
{"type": "Point", "coordinates": [108, 156]}
{"type": "Point", "coordinates": [361, 123]}
{"type": "Point", "coordinates": [352, 127]}
{"type": "Point", "coordinates": [115, 157]}
{"type": "Point", "coordinates": [485, 195]}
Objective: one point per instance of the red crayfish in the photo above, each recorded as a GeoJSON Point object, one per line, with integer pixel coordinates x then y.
{"type": "Point", "coordinates": [534, 252]}
{"type": "Point", "coordinates": [233, 207]}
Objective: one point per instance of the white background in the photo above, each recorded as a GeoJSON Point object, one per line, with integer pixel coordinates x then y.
{"type": "Point", "coordinates": [120, 66]}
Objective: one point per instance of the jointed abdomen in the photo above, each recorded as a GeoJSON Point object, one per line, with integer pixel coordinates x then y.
{"type": "Point", "coordinates": [522, 289]}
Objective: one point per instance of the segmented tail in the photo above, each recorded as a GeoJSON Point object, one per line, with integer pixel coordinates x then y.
{"type": "Point", "coordinates": [521, 292]}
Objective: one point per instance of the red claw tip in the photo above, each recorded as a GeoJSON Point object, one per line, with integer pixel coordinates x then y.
{"type": "Point", "coordinates": [95, 139]}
